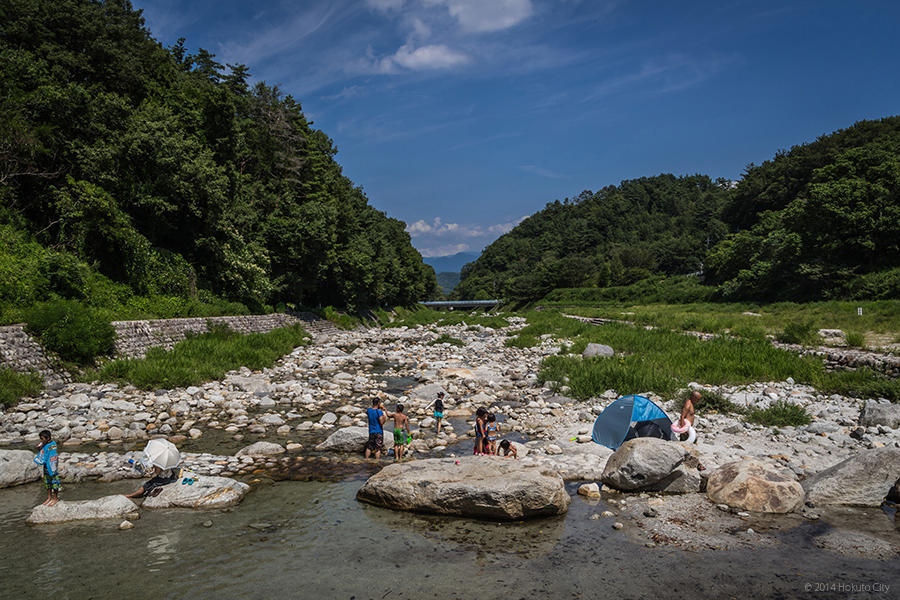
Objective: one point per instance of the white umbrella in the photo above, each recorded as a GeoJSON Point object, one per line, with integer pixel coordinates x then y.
{"type": "Point", "coordinates": [162, 453]}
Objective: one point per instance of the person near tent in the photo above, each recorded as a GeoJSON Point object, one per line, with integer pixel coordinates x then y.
{"type": "Point", "coordinates": [687, 419]}
{"type": "Point", "coordinates": [48, 458]}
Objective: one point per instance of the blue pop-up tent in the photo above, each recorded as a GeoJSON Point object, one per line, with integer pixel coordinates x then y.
{"type": "Point", "coordinates": [628, 417]}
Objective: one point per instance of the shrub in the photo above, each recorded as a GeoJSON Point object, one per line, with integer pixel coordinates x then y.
{"type": "Point", "coordinates": [446, 339]}
{"type": "Point", "coordinates": [804, 333]}
{"type": "Point", "coordinates": [779, 414]}
{"type": "Point", "coordinates": [14, 385]}
{"type": "Point", "coordinates": [855, 339]}
{"type": "Point", "coordinates": [75, 331]}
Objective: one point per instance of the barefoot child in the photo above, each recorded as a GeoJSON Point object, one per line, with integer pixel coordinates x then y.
{"type": "Point", "coordinates": [401, 432]}
{"type": "Point", "coordinates": [48, 458]}
{"type": "Point", "coordinates": [480, 417]}
{"type": "Point", "coordinates": [438, 410]}
{"type": "Point", "coordinates": [490, 431]}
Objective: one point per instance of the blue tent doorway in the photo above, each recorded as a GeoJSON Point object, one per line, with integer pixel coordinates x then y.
{"type": "Point", "coordinates": [629, 417]}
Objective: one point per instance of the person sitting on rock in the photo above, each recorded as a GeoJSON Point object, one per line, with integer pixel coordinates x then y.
{"type": "Point", "coordinates": [507, 449]}
{"type": "Point", "coordinates": [154, 486]}
{"type": "Point", "coordinates": [401, 432]}
{"type": "Point", "coordinates": [48, 458]}
{"type": "Point", "coordinates": [377, 418]}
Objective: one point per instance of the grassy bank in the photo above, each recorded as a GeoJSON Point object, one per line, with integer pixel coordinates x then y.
{"type": "Point", "coordinates": [15, 385]}
{"type": "Point", "coordinates": [201, 358]}
{"type": "Point", "coordinates": [880, 317]}
{"type": "Point", "coordinates": [664, 361]}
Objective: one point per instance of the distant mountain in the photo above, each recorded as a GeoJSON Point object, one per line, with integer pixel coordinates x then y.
{"type": "Point", "coordinates": [452, 263]}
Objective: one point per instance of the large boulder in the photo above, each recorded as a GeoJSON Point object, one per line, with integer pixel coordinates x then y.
{"type": "Point", "coordinates": [597, 350]}
{"type": "Point", "coordinates": [861, 480]}
{"type": "Point", "coordinates": [652, 464]}
{"type": "Point", "coordinates": [261, 449]}
{"type": "Point", "coordinates": [471, 486]}
{"type": "Point", "coordinates": [108, 507]}
{"type": "Point", "coordinates": [17, 467]}
{"type": "Point", "coordinates": [756, 486]}
{"type": "Point", "coordinates": [205, 492]}
{"type": "Point", "coordinates": [352, 439]}
{"type": "Point", "coordinates": [879, 413]}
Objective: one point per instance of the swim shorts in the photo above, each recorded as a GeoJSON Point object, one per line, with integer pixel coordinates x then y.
{"type": "Point", "coordinates": [376, 441]}
{"type": "Point", "coordinates": [438, 415]}
{"type": "Point", "coordinates": [399, 436]}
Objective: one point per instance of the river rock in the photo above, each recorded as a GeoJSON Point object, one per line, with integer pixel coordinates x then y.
{"type": "Point", "coordinates": [651, 464]}
{"type": "Point", "coordinates": [591, 490]}
{"type": "Point", "coordinates": [756, 486]}
{"type": "Point", "coordinates": [470, 486]}
{"type": "Point", "coordinates": [17, 467]}
{"type": "Point", "coordinates": [597, 350]}
{"type": "Point", "coordinates": [261, 449]}
{"type": "Point", "coordinates": [206, 492]}
{"type": "Point", "coordinates": [351, 439]}
{"type": "Point", "coordinates": [861, 480]}
{"type": "Point", "coordinates": [874, 413]}
{"type": "Point", "coordinates": [107, 507]}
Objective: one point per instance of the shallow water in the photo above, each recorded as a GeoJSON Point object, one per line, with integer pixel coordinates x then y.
{"type": "Point", "coordinates": [312, 539]}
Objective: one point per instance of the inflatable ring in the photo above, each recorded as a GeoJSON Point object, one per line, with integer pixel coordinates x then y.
{"type": "Point", "coordinates": [688, 428]}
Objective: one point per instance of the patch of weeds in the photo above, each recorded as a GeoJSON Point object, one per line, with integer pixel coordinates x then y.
{"type": "Point", "coordinates": [446, 339]}
{"type": "Point", "coordinates": [710, 401]}
{"type": "Point", "coordinates": [341, 320]}
{"type": "Point", "coordinates": [15, 385]}
{"type": "Point", "coordinates": [804, 333]}
{"type": "Point", "coordinates": [856, 339]}
{"type": "Point", "coordinates": [779, 414]}
{"type": "Point", "coordinates": [749, 331]}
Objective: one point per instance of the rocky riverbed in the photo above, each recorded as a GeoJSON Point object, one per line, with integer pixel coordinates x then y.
{"type": "Point", "coordinates": [320, 392]}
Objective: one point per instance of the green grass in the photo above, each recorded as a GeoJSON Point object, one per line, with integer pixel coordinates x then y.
{"type": "Point", "coordinates": [201, 358]}
{"type": "Point", "coordinates": [446, 339]}
{"type": "Point", "coordinates": [856, 339]}
{"type": "Point", "coordinates": [804, 333]}
{"type": "Point", "coordinates": [779, 414]}
{"type": "Point", "coordinates": [664, 362]}
{"type": "Point", "coordinates": [341, 320]}
{"type": "Point", "coordinates": [881, 316]}
{"type": "Point", "coordinates": [15, 385]}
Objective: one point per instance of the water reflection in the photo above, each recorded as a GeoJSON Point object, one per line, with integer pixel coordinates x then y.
{"type": "Point", "coordinates": [162, 548]}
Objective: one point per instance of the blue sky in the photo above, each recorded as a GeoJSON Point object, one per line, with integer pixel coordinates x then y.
{"type": "Point", "coordinates": [461, 117]}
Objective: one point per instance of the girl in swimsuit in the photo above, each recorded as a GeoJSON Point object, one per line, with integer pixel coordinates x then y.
{"type": "Point", "coordinates": [491, 434]}
{"type": "Point", "coordinates": [480, 416]}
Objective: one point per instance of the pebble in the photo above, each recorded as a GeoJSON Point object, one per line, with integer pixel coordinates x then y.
{"type": "Point", "coordinates": [126, 525]}
{"type": "Point", "coordinates": [617, 525]}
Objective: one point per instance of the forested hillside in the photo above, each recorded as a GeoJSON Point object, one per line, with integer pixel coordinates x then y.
{"type": "Point", "coordinates": [819, 221]}
{"type": "Point", "coordinates": [616, 236]}
{"type": "Point", "coordinates": [131, 169]}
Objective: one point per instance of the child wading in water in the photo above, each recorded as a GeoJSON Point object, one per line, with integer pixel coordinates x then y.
{"type": "Point", "coordinates": [438, 410]}
{"type": "Point", "coordinates": [49, 459]}
{"type": "Point", "coordinates": [480, 418]}
{"type": "Point", "coordinates": [402, 433]}
{"type": "Point", "coordinates": [490, 430]}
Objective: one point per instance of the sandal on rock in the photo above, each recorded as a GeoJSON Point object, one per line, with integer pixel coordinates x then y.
{"type": "Point", "coordinates": [155, 492]}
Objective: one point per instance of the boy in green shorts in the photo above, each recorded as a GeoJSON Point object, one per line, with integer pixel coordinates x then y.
{"type": "Point", "coordinates": [402, 434]}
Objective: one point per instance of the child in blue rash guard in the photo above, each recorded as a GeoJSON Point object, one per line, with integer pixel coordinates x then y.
{"type": "Point", "coordinates": [48, 458]}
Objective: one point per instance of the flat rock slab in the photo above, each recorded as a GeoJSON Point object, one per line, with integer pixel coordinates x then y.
{"type": "Point", "coordinates": [875, 413]}
{"type": "Point", "coordinates": [17, 467]}
{"type": "Point", "coordinates": [756, 486]}
{"type": "Point", "coordinates": [107, 507]}
{"type": "Point", "coordinates": [261, 449]}
{"type": "Point", "coordinates": [473, 486]}
{"type": "Point", "coordinates": [352, 439]}
{"type": "Point", "coordinates": [861, 480]}
{"type": "Point", "coordinates": [205, 492]}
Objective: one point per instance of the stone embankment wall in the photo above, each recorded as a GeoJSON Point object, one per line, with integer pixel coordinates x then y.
{"type": "Point", "coordinates": [20, 352]}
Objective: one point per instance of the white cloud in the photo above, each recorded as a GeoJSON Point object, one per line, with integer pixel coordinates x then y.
{"type": "Point", "coordinates": [478, 16]}
{"type": "Point", "coordinates": [445, 250]}
{"type": "Point", "coordinates": [436, 56]}
{"type": "Point", "coordinates": [352, 91]}
{"type": "Point", "coordinates": [438, 228]}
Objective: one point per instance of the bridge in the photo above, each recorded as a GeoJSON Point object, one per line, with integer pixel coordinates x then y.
{"type": "Point", "coordinates": [463, 304]}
